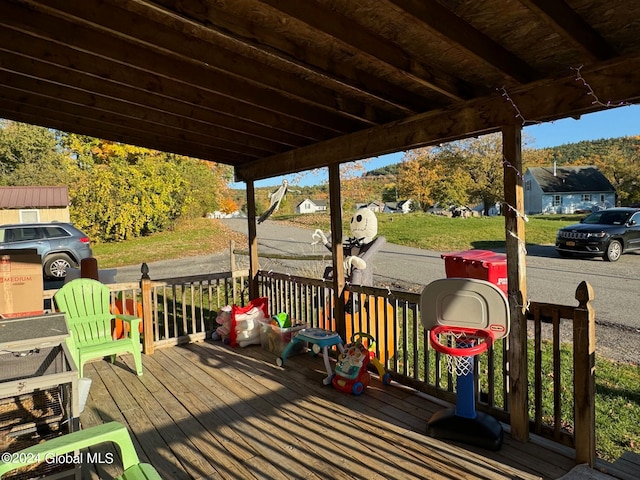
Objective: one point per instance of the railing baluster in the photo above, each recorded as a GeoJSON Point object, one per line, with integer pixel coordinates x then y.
{"type": "Point", "coordinates": [557, 380]}
{"type": "Point", "coordinates": [537, 366]}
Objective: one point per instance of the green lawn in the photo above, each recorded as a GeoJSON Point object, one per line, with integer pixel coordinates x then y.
{"type": "Point", "coordinates": [434, 232]}
{"type": "Point", "coordinates": [187, 238]}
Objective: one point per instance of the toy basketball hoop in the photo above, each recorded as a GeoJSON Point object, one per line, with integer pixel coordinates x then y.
{"type": "Point", "coordinates": [464, 316]}
{"type": "Point", "coordinates": [460, 345]}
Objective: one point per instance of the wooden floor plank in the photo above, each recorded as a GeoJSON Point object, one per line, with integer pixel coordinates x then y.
{"type": "Point", "coordinates": [149, 441]}
{"type": "Point", "coordinates": [209, 411]}
{"type": "Point", "coordinates": [211, 421]}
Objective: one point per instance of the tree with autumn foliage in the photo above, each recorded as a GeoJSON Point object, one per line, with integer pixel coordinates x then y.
{"type": "Point", "coordinates": [121, 191]}
{"type": "Point", "coordinates": [623, 171]}
{"type": "Point", "coordinates": [463, 172]}
{"type": "Point", "coordinates": [228, 205]}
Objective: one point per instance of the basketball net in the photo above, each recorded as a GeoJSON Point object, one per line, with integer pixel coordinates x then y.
{"type": "Point", "coordinates": [455, 343]}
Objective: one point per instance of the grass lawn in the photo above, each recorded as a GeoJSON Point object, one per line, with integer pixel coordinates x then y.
{"type": "Point", "coordinates": [434, 232]}
{"type": "Point", "coordinates": [617, 385]}
{"type": "Point", "coordinates": [188, 238]}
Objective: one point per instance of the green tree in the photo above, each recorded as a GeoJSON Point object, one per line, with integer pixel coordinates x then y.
{"type": "Point", "coordinates": [428, 176]}
{"type": "Point", "coordinates": [623, 171]}
{"type": "Point", "coordinates": [29, 155]}
{"type": "Point", "coordinates": [480, 160]}
{"type": "Point", "coordinates": [122, 191]}
{"type": "Point", "coordinates": [417, 177]}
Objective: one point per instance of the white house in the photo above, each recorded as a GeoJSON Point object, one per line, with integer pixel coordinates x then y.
{"type": "Point", "coordinates": [311, 206]}
{"type": "Point", "coordinates": [566, 190]}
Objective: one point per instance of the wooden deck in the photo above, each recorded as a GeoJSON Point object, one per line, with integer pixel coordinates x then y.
{"type": "Point", "coordinates": [207, 411]}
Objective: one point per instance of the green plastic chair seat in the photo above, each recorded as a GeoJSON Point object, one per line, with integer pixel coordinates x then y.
{"type": "Point", "coordinates": [86, 304]}
{"type": "Point", "coordinates": [109, 432]}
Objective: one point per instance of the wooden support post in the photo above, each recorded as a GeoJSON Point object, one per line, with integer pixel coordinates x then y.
{"type": "Point", "coordinates": [513, 211]}
{"type": "Point", "coordinates": [232, 257]}
{"type": "Point", "coordinates": [147, 311]}
{"type": "Point", "coordinates": [335, 205]}
{"type": "Point", "coordinates": [232, 269]}
{"type": "Point", "coordinates": [584, 376]}
{"type": "Point", "coordinates": [253, 242]}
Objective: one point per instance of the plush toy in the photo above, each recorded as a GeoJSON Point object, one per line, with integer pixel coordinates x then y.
{"type": "Point", "coordinates": [223, 319]}
{"type": "Point", "coordinates": [359, 249]}
{"type": "Point", "coordinates": [247, 321]}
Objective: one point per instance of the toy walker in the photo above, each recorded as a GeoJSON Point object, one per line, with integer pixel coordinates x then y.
{"type": "Point", "coordinates": [464, 317]}
{"type": "Point", "coordinates": [352, 375]}
{"type": "Point", "coordinates": [320, 340]}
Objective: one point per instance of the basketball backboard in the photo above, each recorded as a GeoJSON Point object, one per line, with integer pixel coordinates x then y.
{"type": "Point", "coordinates": [467, 303]}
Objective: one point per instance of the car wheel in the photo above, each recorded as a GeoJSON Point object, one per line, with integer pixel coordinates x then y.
{"type": "Point", "coordinates": [613, 252]}
{"type": "Point", "coordinates": [56, 265]}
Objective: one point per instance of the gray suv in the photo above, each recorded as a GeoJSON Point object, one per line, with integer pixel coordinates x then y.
{"type": "Point", "coordinates": [61, 245]}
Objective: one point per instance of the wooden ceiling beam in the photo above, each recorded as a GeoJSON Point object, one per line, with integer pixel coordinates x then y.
{"type": "Point", "coordinates": [614, 81]}
{"type": "Point", "coordinates": [113, 131]}
{"type": "Point", "coordinates": [455, 30]}
{"type": "Point", "coordinates": [159, 92]}
{"type": "Point", "coordinates": [103, 45]}
{"type": "Point", "coordinates": [24, 58]}
{"type": "Point", "coordinates": [188, 39]}
{"type": "Point", "coordinates": [134, 116]}
{"type": "Point", "coordinates": [568, 23]}
{"type": "Point", "coordinates": [355, 36]}
{"type": "Point", "coordinates": [304, 59]}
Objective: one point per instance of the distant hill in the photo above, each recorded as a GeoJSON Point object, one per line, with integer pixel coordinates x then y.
{"type": "Point", "coordinates": [568, 153]}
{"type": "Point", "coordinates": [571, 152]}
{"type": "Point", "coordinates": [383, 171]}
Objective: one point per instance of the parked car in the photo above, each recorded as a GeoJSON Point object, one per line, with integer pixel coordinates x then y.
{"type": "Point", "coordinates": [607, 233]}
{"type": "Point", "coordinates": [61, 245]}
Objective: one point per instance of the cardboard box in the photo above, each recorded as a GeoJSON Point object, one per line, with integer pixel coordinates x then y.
{"type": "Point", "coordinates": [21, 283]}
{"type": "Point", "coordinates": [275, 339]}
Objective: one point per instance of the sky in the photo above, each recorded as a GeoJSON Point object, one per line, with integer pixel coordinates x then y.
{"type": "Point", "coordinates": [611, 123]}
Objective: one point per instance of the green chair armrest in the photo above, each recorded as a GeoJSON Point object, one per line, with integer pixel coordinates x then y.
{"type": "Point", "coordinates": [130, 319]}
{"type": "Point", "coordinates": [109, 432]}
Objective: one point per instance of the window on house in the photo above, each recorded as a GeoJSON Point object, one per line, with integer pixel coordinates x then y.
{"type": "Point", "coordinates": [586, 197]}
{"type": "Point", "coordinates": [602, 198]}
{"type": "Point", "coordinates": [29, 216]}
{"type": "Point", "coordinates": [527, 185]}
{"type": "Point", "coordinates": [557, 200]}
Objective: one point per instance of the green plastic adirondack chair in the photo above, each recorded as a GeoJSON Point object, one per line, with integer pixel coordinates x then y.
{"type": "Point", "coordinates": [108, 432]}
{"type": "Point", "coordinates": [86, 305]}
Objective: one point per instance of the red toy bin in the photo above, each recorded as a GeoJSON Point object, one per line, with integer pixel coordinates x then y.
{"type": "Point", "coordinates": [479, 264]}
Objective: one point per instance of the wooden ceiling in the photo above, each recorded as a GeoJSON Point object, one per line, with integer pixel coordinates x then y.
{"type": "Point", "coordinates": [278, 86]}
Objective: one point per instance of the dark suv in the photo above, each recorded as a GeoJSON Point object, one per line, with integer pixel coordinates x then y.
{"type": "Point", "coordinates": [607, 233]}
{"type": "Point", "coordinates": [61, 245]}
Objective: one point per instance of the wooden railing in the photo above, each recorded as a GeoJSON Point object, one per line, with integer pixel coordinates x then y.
{"type": "Point", "coordinates": [183, 309]}
{"type": "Point", "coordinates": [175, 310]}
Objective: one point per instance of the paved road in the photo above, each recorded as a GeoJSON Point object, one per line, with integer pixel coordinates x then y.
{"type": "Point", "coordinates": [550, 278]}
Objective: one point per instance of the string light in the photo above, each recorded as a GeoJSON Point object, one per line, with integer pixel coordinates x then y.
{"type": "Point", "coordinates": [515, 210]}
{"type": "Point", "coordinates": [506, 96]}
{"type": "Point", "coordinates": [506, 163]}
{"type": "Point", "coordinates": [591, 93]}
{"type": "Point", "coordinates": [514, 299]}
